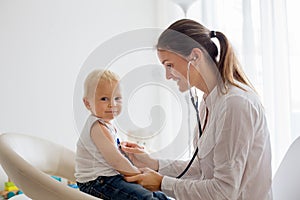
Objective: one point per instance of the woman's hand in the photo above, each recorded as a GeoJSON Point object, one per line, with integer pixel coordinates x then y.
{"type": "Point", "coordinates": [149, 179]}
{"type": "Point", "coordinates": [139, 156]}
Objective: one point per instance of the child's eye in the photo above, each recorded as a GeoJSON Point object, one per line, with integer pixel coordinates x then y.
{"type": "Point", "coordinates": [118, 99]}
{"type": "Point", "coordinates": [104, 99]}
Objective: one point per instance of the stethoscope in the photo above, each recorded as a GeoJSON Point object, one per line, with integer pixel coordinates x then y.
{"type": "Point", "coordinates": [195, 105]}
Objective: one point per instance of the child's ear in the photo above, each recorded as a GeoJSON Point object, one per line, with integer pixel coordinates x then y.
{"type": "Point", "coordinates": [86, 103]}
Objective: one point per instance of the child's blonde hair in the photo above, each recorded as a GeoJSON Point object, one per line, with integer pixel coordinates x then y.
{"type": "Point", "coordinates": [94, 77]}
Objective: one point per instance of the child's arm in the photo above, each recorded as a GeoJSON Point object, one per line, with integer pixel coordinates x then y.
{"type": "Point", "coordinates": [106, 145]}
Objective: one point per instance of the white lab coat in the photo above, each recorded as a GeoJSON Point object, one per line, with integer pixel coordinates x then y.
{"type": "Point", "coordinates": [234, 157]}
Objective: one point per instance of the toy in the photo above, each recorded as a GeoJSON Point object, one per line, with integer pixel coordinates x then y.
{"type": "Point", "coordinates": [57, 178]}
{"type": "Point", "coordinates": [10, 186]}
{"type": "Point", "coordinates": [20, 192]}
{"type": "Point", "coordinates": [10, 190]}
{"type": "Point", "coordinates": [73, 185]}
{"type": "Point", "coordinates": [10, 194]}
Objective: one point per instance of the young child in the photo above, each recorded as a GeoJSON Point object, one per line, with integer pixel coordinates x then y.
{"type": "Point", "coordinates": [100, 166]}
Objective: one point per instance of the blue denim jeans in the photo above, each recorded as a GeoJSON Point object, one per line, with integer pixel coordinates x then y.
{"type": "Point", "coordinates": [116, 188]}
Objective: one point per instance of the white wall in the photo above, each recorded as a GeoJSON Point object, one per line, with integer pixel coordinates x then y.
{"type": "Point", "coordinates": [43, 45]}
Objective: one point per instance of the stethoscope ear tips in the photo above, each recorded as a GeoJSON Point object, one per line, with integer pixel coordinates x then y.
{"type": "Point", "coordinates": [193, 59]}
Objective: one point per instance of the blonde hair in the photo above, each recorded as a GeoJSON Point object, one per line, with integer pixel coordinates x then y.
{"type": "Point", "coordinates": [94, 77]}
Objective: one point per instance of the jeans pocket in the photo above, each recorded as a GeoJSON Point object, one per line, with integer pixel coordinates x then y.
{"type": "Point", "coordinates": [84, 187]}
{"type": "Point", "coordinates": [99, 188]}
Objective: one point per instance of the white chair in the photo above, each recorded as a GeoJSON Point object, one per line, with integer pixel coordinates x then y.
{"type": "Point", "coordinates": [286, 181]}
{"type": "Point", "coordinates": [29, 161]}
{"type": "Point", "coordinates": [20, 197]}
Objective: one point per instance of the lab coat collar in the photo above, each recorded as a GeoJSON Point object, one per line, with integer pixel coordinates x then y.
{"type": "Point", "coordinates": [211, 98]}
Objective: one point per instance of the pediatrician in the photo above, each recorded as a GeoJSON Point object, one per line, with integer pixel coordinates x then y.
{"type": "Point", "coordinates": [232, 157]}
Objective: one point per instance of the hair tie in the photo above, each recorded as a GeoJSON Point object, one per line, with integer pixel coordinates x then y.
{"type": "Point", "coordinates": [213, 34]}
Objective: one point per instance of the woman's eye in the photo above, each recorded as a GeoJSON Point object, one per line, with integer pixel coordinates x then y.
{"type": "Point", "coordinates": [169, 66]}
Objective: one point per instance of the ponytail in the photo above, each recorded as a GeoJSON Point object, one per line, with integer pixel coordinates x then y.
{"type": "Point", "coordinates": [228, 64]}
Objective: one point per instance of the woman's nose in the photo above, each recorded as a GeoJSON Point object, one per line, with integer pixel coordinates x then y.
{"type": "Point", "coordinates": [168, 74]}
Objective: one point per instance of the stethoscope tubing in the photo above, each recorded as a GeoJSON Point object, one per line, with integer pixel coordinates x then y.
{"type": "Point", "coordinates": [195, 105]}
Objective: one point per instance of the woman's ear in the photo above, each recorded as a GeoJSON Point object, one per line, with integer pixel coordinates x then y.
{"type": "Point", "coordinates": [86, 103]}
{"type": "Point", "coordinates": [196, 54]}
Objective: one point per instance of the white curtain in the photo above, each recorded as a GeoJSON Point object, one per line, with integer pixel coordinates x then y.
{"type": "Point", "coordinates": [260, 31]}
{"type": "Point", "coordinates": [276, 74]}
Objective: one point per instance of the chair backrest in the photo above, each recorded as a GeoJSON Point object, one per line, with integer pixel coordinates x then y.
{"type": "Point", "coordinates": [28, 161]}
{"type": "Point", "coordinates": [286, 181]}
